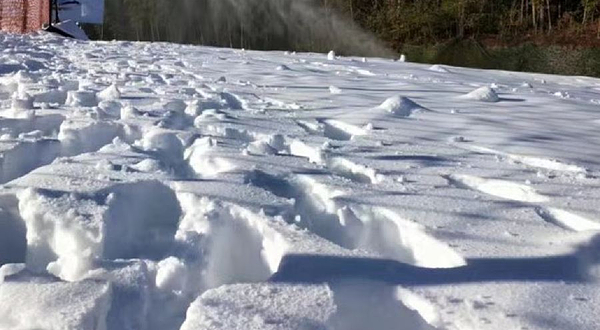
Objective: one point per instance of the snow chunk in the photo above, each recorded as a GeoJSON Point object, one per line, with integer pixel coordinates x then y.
{"type": "Point", "coordinates": [109, 94]}
{"type": "Point", "coordinates": [68, 234]}
{"type": "Point", "coordinates": [314, 154]}
{"type": "Point", "coordinates": [81, 99]}
{"type": "Point", "coordinates": [9, 270]}
{"type": "Point", "coordinates": [22, 102]}
{"type": "Point", "coordinates": [203, 156]}
{"type": "Point", "coordinates": [341, 130]}
{"type": "Point", "coordinates": [171, 275]}
{"type": "Point", "coordinates": [58, 236]}
{"type": "Point", "coordinates": [129, 112]}
{"type": "Point", "coordinates": [56, 96]}
{"type": "Point", "coordinates": [48, 304]}
{"type": "Point", "coordinates": [260, 147]}
{"type": "Point", "coordinates": [267, 145]}
{"type": "Point", "coordinates": [208, 116]}
{"type": "Point", "coordinates": [178, 106]}
{"type": "Point", "coordinates": [148, 166]}
{"type": "Point", "coordinates": [354, 171]}
{"type": "Point", "coordinates": [335, 90]}
{"type": "Point", "coordinates": [331, 56]}
{"type": "Point", "coordinates": [483, 94]}
{"type": "Point", "coordinates": [78, 136]}
{"type": "Point", "coordinates": [193, 109]}
{"type": "Point", "coordinates": [244, 245]}
{"type": "Point", "coordinates": [233, 101]}
{"type": "Point", "coordinates": [165, 143]}
{"type": "Point", "coordinates": [131, 305]}
{"type": "Point", "coordinates": [262, 306]}
{"type": "Point", "coordinates": [111, 108]}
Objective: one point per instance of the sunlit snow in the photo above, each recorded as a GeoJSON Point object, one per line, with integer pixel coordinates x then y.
{"type": "Point", "coordinates": [162, 186]}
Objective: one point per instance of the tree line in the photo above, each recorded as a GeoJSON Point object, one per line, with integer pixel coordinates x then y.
{"type": "Point", "coordinates": [319, 25]}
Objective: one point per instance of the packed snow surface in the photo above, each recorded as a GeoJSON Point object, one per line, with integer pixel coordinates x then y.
{"type": "Point", "coordinates": [161, 186]}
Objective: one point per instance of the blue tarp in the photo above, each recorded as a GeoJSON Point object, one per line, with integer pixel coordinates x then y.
{"type": "Point", "coordinates": [83, 11]}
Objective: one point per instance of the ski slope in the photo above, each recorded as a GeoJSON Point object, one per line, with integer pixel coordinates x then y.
{"type": "Point", "coordinates": [162, 186]}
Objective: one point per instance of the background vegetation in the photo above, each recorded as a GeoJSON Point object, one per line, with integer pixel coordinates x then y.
{"type": "Point", "coordinates": [507, 34]}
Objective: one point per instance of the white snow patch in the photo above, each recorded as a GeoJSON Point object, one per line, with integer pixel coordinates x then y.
{"type": "Point", "coordinates": [567, 220]}
{"type": "Point", "coordinates": [499, 188]}
{"type": "Point", "coordinates": [544, 163]}
{"type": "Point", "coordinates": [426, 310]}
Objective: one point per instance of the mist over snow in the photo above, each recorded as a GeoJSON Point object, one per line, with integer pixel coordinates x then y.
{"type": "Point", "coordinates": [286, 25]}
{"type": "Point", "coordinates": [153, 186]}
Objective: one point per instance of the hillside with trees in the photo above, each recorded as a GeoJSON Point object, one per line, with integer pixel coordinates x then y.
{"type": "Point", "coordinates": [421, 28]}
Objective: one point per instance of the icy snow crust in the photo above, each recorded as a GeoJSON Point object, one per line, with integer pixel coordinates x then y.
{"type": "Point", "coordinates": [160, 186]}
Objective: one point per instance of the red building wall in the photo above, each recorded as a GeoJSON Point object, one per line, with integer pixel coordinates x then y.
{"type": "Point", "coordinates": [23, 16]}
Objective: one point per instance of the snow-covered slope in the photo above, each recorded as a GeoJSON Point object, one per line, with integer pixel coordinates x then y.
{"type": "Point", "coordinates": [161, 186]}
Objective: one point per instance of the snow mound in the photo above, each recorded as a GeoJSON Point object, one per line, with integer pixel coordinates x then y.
{"type": "Point", "coordinates": [483, 94]}
{"type": "Point", "coordinates": [401, 106]}
{"type": "Point", "coordinates": [438, 68]}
